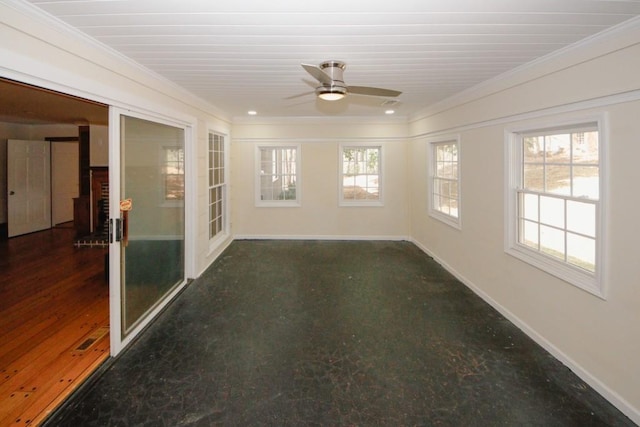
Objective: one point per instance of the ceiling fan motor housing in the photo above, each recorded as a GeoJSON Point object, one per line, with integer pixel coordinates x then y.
{"type": "Point", "coordinates": [333, 69]}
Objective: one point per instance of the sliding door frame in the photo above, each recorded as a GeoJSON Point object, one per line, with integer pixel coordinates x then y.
{"type": "Point", "coordinates": [117, 340]}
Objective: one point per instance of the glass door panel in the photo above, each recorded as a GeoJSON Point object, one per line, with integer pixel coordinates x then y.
{"type": "Point", "coordinates": [152, 212]}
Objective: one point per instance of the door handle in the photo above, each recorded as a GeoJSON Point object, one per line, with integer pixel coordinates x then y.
{"type": "Point", "coordinates": [11, 193]}
{"type": "Point", "coordinates": [115, 230]}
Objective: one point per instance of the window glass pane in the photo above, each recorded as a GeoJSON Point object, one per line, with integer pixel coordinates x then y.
{"type": "Point", "coordinates": [586, 182]}
{"type": "Point", "coordinates": [581, 251]}
{"type": "Point", "coordinates": [454, 208]}
{"type": "Point", "coordinates": [585, 147]}
{"type": "Point", "coordinates": [529, 206]}
{"type": "Point", "coordinates": [533, 149]}
{"type": "Point", "coordinates": [552, 241]}
{"type": "Point", "coordinates": [443, 187]}
{"type": "Point", "coordinates": [558, 148]}
{"type": "Point", "coordinates": [453, 190]}
{"type": "Point", "coordinates": [581, 218]}
{"type": "Point", "coordinates": [436, 186]}
{"type": "Point", "coordinates": [444, 205]}
{"type": "Point", "coordinates": [349, 192]}
{"type": "Point", "coordinates": [552, 211]}
{"type": "Point", "coordinates": [533, 177]}
{"type": "Point", "coordinates": [529, 233]}
{"type": "Point", "coordinates": [558, 179]}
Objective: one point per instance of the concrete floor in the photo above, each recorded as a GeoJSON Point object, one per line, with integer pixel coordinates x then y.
{"type": "Point", "coordinates": [295, 333]}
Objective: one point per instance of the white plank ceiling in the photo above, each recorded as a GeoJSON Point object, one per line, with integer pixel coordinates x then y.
{"type": "Point", "coordinates": [245, 55]}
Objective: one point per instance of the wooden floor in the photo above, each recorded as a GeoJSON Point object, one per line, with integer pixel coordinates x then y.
{"type": "Point", "coordinates": [54, 322]}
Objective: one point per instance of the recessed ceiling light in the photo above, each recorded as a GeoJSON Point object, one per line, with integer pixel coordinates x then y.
{"type": "Point", "coordinates": [252, 112]}
{"type": "Point", "coordinates": [389, 112]}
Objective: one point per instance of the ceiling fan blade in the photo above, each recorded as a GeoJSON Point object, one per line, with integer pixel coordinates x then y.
{"type": "Point", "coordinates": [372, 91]}
{"type": "Point", "coordinates": [299, 95]}
{"type": "Point", "coordinates": [318, 74]}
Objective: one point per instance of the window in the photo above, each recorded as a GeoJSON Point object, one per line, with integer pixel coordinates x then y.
{"type": "Point", "coordinates": [217, 185]}
{"type": "Point", "coordinates": [360, 176]}
{"type": "Point", "coordinates": [173, 173]}
{"type": "Point", "coordinates": [555, 207]}
{"type": "Point", "coordinates": [278, 177]}
{"type": "Point", "coordinates": [444, 200]}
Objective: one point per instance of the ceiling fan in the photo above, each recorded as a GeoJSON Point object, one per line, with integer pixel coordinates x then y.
{"type": "Point", "coordinates": [332, 86]}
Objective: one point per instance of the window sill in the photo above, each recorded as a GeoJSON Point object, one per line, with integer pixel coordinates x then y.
{"type": "Point", "coordinates": [360, 204]}
{"type": "Point", "coordinates": [278, 204]}
{"type": "Point", "coordinates": [572, 275]}
{"type": "Point", "coordinates": [446, 219]}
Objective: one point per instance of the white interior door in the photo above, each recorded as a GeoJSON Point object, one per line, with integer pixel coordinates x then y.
{"type": "Point", "coordinates": [65, 177]}
{"type": "Point", "coordinates": [28, 186]}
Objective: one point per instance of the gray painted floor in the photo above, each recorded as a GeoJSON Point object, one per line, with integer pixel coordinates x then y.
{"type": "Point", "coordinates": [295, 333]}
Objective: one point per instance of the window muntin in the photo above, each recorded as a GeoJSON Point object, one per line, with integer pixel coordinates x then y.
{"type": "Point", "coordinates": [445, 182]}
{"type": "Point", "coordinates": [361, 176]}
{"type": "Point", "coordinates": [217, 184]}
{"type": "Point", "coordinates": [278, 176]}
{"type": "Point", "coordinates": [557, 202]}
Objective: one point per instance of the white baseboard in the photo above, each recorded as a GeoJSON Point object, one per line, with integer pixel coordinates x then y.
{"type": "Point", "coordinates": [316, 237]}
{"type": "Point", "coordinates": [614, 398]}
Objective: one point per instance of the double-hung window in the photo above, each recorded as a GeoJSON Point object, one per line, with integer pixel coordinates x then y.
{"type": "Point", "coordinates": [444, 176]}
{"type": "Point", "coordinates": [278, 175]}
{"type": "Point", "coordinates": [217, 185]}
{"type": "Point", "coordinates": [360, 176]}
{"type": "Point", "coordinates": [555, 201]}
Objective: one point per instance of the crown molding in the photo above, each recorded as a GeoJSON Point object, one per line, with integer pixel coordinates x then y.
{"type": "Point", "coordinates": [315, 120]}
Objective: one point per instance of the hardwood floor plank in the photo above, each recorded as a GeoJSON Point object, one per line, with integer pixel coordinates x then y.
{"type": "Point", "coordinates": [53, 298]}
{"type": "Point", "coordinates": [40, 399]}
{"type": "Point", "coordinates": [67, 325]}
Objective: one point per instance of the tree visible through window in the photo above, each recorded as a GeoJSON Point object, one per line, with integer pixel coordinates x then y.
{"type": "Point", "coordinates": [278, 176]}
{"type": "Point", "coordinates": [360, 174]}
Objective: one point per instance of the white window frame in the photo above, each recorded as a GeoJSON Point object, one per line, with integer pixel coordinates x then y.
{"type": "Point", "coordinates": [592, 282]}
{"type": "Point", "coordinates": [361, 202]}
{"type": "Point", "coordinates": [451, 220]}
{"type": "Point", "coordinates": [224, 232]}
{"type": "Point", "coordinates": [297, 202]}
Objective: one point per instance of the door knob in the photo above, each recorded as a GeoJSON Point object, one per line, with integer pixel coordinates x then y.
{"type": "Point", "coordinates": [11, 193]}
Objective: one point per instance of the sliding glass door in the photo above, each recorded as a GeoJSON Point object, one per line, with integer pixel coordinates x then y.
{"type": "Point", "coordinates": [148, 222]}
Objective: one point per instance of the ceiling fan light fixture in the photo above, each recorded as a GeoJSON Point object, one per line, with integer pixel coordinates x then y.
{"type": "Point", "coordinates": [331, 93]}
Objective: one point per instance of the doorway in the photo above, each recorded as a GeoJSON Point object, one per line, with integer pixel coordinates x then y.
{"type": "Point", "coordinates": [54, 296]}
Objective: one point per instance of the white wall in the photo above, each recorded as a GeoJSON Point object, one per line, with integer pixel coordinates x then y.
{"type": "Point", "coordinates": [319, 215]}
{"type": "Point", "coordinates": [599, 339]}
